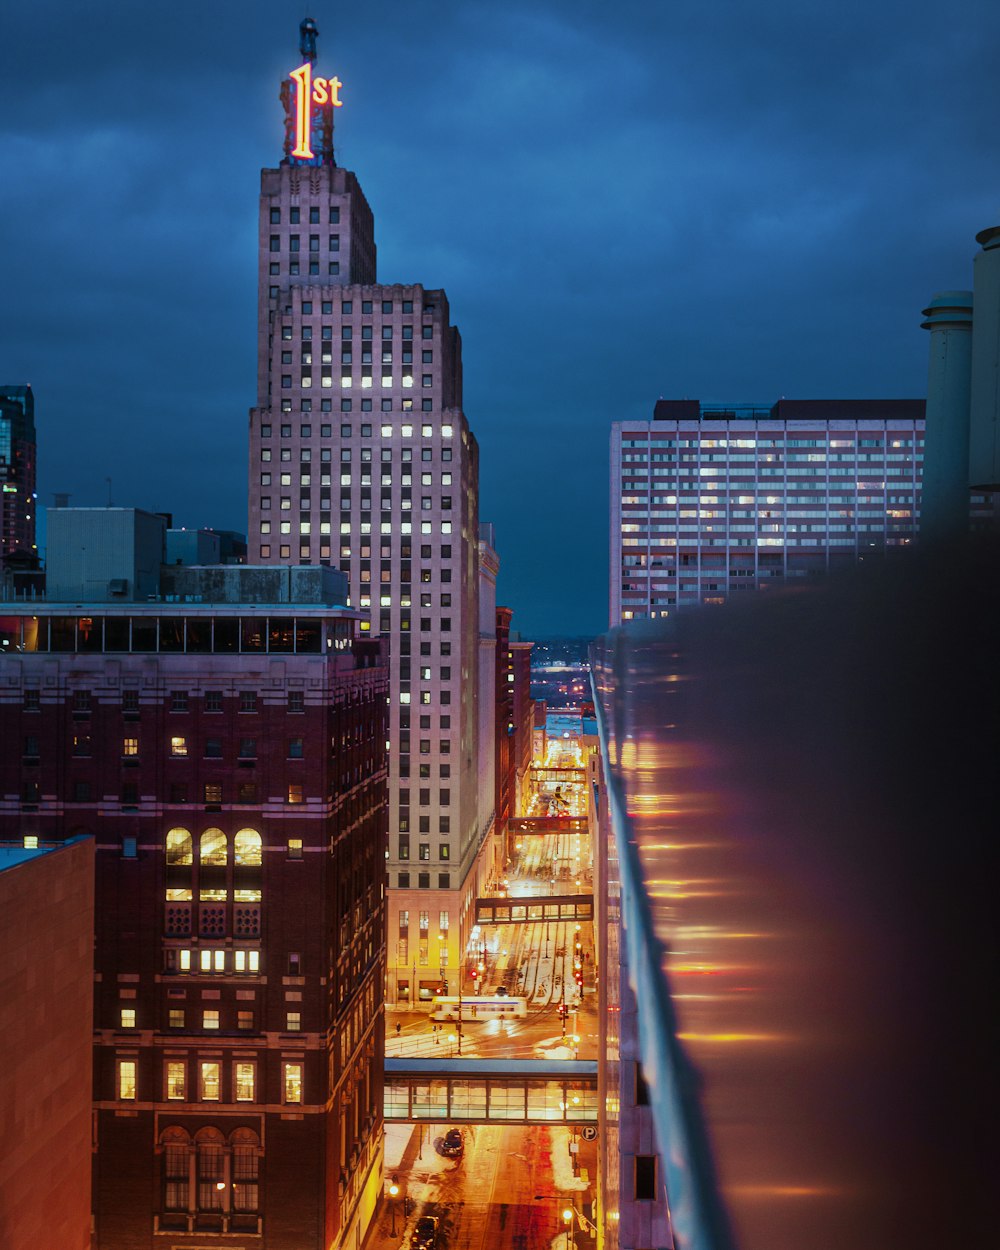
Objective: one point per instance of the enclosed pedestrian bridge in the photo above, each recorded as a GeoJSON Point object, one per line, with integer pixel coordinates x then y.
{"type": "Point", "coordinates": [547, 824]}
{"type": "Point", "coordinates": [529, 910]}
{"type": "Point", "coordinates": [491, 1091]}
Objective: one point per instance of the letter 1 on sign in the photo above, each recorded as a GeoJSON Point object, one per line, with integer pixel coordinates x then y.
{"type": "Point", "coordinates": [302, 77]}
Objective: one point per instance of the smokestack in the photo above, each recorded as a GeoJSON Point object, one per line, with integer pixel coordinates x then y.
{"type": "Point", "coordinates": [944, 506]}
{"type": "Point", "coordinates": [984, 444]}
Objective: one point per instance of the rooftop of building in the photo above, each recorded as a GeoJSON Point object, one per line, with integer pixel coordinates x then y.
{"type": "Point", "coordinates": [14, 853]}
{"type": "Point", "coordinates": [791, 410]}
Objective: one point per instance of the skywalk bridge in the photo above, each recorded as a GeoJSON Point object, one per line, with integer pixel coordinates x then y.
{"type": "Point", "coordinates": [547, 824]}
{"type": "Point", "coordinates": [491, 1091]}
{"type": "Point", "coordinates": [528, 910]}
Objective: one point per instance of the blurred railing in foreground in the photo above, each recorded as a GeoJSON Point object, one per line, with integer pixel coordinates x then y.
{"type": "Point", "coordinates": [803, 793]}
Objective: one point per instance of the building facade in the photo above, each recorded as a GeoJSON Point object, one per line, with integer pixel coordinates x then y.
{"type": "Point", "coordinates": [17, 476]}
{"type": "Point", "coordinates": [710, 501]}
{"type": "Point", "coordinates": [225, 744]}
{"type": "Point", "coordinates": [361, 458]}
{"type": "Point", "coordinates": [47, 983]}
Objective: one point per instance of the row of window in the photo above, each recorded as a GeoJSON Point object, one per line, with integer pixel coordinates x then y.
{"type": "Point", "coordinates": [228, 635]}
{"type": "Point", "coordinates": [423, 848]}
{"type": "Point", "coordinates": [305, 405]}
{"type": "Point", "coordinates": [209, 1087]}
{"type": "Point", "coordinates": [179, 701]}
{"type": "Point", "coordinates": [212, 793]}
{"type": "Point", "coordinates": [295, 215]}
{"type": "Point", "coordinates": [424, 881]}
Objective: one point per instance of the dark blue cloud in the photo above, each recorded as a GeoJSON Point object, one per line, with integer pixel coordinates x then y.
{"type": "Point", "coordinates": [720, 200]}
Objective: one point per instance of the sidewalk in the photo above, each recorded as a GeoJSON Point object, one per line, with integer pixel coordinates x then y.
{"type": "Point", "coordinates": [401, 1146]}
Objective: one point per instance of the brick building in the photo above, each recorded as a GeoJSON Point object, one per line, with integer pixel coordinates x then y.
{"type": "Point", "coordinates": [225, 742]}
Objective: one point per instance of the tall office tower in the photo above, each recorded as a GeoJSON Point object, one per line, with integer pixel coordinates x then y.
{"type": "Point", "coordinates": [707, 501]}
{"type": "Point", "coordinates": [361, 457]}
{"type": "Point", "coordinates": [223, 737]}
{"type": "Point", "coordinates": [17, 475]}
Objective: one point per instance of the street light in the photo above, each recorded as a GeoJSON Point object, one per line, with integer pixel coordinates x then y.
{"type": "Point", "coordinates": [393, 1191]}
{"type": "Point", "coordinates": [568, 1221]}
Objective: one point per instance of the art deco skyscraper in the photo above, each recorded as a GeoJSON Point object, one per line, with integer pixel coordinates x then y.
{"type": "Point", "coordinates": [361, 457]}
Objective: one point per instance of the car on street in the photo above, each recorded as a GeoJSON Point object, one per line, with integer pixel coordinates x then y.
{"type": "Point", "coordinates": [502, 991]}
{"type": "Point", "coordinates": [424, 1236]}
{"type": "Point", "coordinates": [452, 1144]}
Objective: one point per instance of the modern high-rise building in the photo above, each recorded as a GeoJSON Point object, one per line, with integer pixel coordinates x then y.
{"type": "Point", "coordinates": [709, 500]}
{"type": "Point", "coordinates": [361, 458]}
{"type": "Point", "coordinates": [17, 475]}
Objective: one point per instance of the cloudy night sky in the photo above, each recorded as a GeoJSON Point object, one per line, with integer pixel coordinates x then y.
{"type": "Point", "coordinates": [724, 200]}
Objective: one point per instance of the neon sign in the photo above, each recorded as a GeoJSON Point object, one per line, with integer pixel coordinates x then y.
{"type": "Point", "coordinates": [310, 91]}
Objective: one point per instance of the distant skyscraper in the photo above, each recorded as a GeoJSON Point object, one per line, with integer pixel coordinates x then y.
{"type": "Point", "coordinates": [361, 457]}
{"type": "Point", "coordinates": [17, 473]}
{"type": "Point", "coordinates": [709, 500]}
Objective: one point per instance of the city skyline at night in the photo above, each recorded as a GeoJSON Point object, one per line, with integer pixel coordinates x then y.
{"type": "Point", "coordinates": [621, 207]}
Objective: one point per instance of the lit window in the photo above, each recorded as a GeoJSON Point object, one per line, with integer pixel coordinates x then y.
{"type": "Point", "coordinates": [294, 848]}
{"type": "Point", "coordinates": [126, 1079]}
{"type": "Point", "coordinates": [184, 961]}
{"type": "Point", "coordinates": [214, 846]}
{"type": "Point", "coordinates": [179, 846]}
{"type": "Point", "coordinates": [210, 1018]}
{"type": "Point", "coordinates": [247, 848]}
{"type": "Point", "coordinates": [176, 1018]}
{"type": "Point", "coordinates": [128, 1018]}
{"type": "Point", "coordinates": [210, 1072]}
{"type": "Point", "coordinates": [130, 747]}
{"type": "Point", "coordinates": [178, 746]}
{"type": "Point", "coordinates": [446, 431]}
{"type": "Point", "coordinates": [291, 1083]}
{"type": "Point", "coordinates": [175, 1080]}
{"type": "Point", "coordinates": [293, 1022]}
{"type": "Point", "coordinates": [295, 793]}
{"type": "Point", "coordinates": [244, 1079]}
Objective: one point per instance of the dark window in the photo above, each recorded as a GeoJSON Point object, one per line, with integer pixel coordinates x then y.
{"type": "Point", "coordinates": [213, 700]}
{"type": "Point", "coordinates": [645, 1178]}
{"type": "Point", "coordinates": [178, 701]}
{"type": "Point", "coordinates": [81, 791]}
{"type": "Point", "coordinates": [32, 700]}
{"type": "Point", "coordinates": [213, 748]}
{"type": "Point", "coordinates": [404, 880]}
{"type": "Point", "coordinates": [178, 792]}
{"type": "Point", "coordinates": [295, 748]}
{"type": "Point", "coordinates": [248, 749]}
{"type": "Point", "coordinates": [423, 880]}
{"type": "Point", "coordinates": [247, 792]}
{"type": "Point", "coordinates": [641, 1088]}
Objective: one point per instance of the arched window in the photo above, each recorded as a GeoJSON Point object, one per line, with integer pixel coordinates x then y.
{"type": "Point", "coordinates": [214, 847]}
{"type": "Point", "coordinates": [179, 847]}
{"type": "Point", "coordinates": [246, 1170]}
{"type": "Point", "coordinates": [175, 1145]}
{"type": "Point", "coordinates": [247, 847]}
{"type": "Point", "coordinates": [211, 1169]}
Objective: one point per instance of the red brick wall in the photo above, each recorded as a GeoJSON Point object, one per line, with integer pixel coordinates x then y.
{"type": "Point", "coordinates": [46, 982]}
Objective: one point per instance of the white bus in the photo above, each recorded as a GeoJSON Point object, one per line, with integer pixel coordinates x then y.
{"type": "Point", "coordinates": [478, 1008]}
